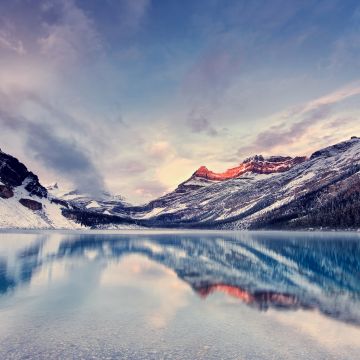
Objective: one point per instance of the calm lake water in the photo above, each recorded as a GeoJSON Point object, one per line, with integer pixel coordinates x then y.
{"type": "Point", "coordinates": [179, 295]}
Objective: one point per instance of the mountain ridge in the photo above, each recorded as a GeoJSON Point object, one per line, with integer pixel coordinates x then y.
{"type": "Point", "coordinates": [322, 190]}
{"type": "Point", "coordinates": [256, 164]}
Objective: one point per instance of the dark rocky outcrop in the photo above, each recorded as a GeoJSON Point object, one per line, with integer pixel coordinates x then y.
{"type": "Point", "coordinates": [31, 204]}
{"type": "Point", "coordinates": [13, 173]}
{"type": "Point", "coordinates": [6, 192]}
{"type": "Point", "coordinates": [334, 150]}
{"type": "Point", "coordinates": [60, 202]}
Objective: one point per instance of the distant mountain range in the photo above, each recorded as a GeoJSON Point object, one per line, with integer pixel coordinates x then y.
{"type": "Point", "coordinates": [320, 191]}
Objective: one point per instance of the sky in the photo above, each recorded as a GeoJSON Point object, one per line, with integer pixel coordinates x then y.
{"type": "Point", "coordinates": [132, 96]}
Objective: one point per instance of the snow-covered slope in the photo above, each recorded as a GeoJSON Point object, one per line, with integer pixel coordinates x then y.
{"type": "Point", "coordinates": [276, 192]}
{"type": "Point", "coordinates": [15, 215]}
{"type": "Point", "coordinates": [249, 199]}
{"type": "Point", "coordinates": [102, 203]}
{"type": "Point", "coordinates": [24, 202]}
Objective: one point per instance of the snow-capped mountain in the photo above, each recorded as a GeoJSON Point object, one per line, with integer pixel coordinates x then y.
{"type": "Point", "coordinates": [322, 190]}
{"type": "Point", "coordinates": [102, 203]}
{"type": "Point", "coordinates": [268, 192]}
{"type": "Point", "coordinates": [24, 202]}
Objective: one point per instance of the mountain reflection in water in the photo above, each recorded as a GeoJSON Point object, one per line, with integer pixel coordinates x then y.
{"type": "Point", "coordinates": [262, 269]}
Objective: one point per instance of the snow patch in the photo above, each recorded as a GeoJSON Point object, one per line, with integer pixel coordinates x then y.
{"type": "Point", "coordinates": [92, 204]}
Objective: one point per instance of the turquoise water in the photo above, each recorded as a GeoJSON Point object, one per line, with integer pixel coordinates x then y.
{"type": "Point", "coordinates": [179, 295]}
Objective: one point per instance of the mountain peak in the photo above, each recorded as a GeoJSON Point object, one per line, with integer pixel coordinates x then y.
{"type": "Point", "coordinates": [256, 164]}
{"type": "Point", "coordinates": [13, 173]}
{"type": "Point", "coordinates": [336, 148]}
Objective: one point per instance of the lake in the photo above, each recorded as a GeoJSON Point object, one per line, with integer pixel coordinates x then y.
{"type": "Point", "coordinates": [179, 295]}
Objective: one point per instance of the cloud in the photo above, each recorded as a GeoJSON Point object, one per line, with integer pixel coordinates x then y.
{"type": "Point", "coordinates": [308, 115]}
{"type": "Point", "coordinates": [131, 167]}
{"type": "Point", "coordinates": [84, 62]}
{"type": "Point", "coordinates": [60, 154]}
{"type": "Point", "coordinates": [334, 97]}
{"type": "Point", "coordinates": [211, 74]}
{"type": "Point", "coordinates": [11, 44]}
{"type": "Point", "coordinates": [160, 150]}
{"type": "Point", "coordinates": [341, 121]}
{"type": "Point", "coordinates": [207, 81]}
{"type": "Point", "coordinates": [150, 189]}
{"type": "Point", "coordinates": [65, 157]}
{"type": "Point", "coordinates": [118, 20]}
{"type": "Point", "coordinates": [71, 37]}
{"type": "Point", "coordinates": [198, 123]}
{"type": "Point", "coordinates": [57, 32]}
{"type": "Point", "coordinates": [135, 12]}
{"type": "Point", "coordinates": [280, 135]}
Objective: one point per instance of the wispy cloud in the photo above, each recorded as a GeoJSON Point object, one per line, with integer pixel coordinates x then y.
{"type": "Point", "coordinates": [150, 189]}
{"type": "Point", "coordinates": [282, 135]}
{"type": "Point", "coordinates": [332, 98]}
{"type": "Point", "coordinates": [131, 167]}
{"type": "Point", "coordinates": [198, 123]}
{"type": "Point", "coordinates": [8, 43]}
{"type": "Point", "coordinates": [205, 85]}
{"type": "Point", "coordinates": [211, 74]}
{"type": "Point", "coordinates": [135, 12]}
{"type": "Point", "coordinates": [307, 116]}
{"type": "Point", "coordinates": [73, 37]}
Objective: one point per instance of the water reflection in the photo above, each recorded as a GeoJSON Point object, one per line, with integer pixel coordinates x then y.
{"type": "Point", "coordinates": [282, 271]}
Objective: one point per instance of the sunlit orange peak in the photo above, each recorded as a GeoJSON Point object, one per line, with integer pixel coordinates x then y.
{"type": "Point", "coordinates": [256, 164]}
